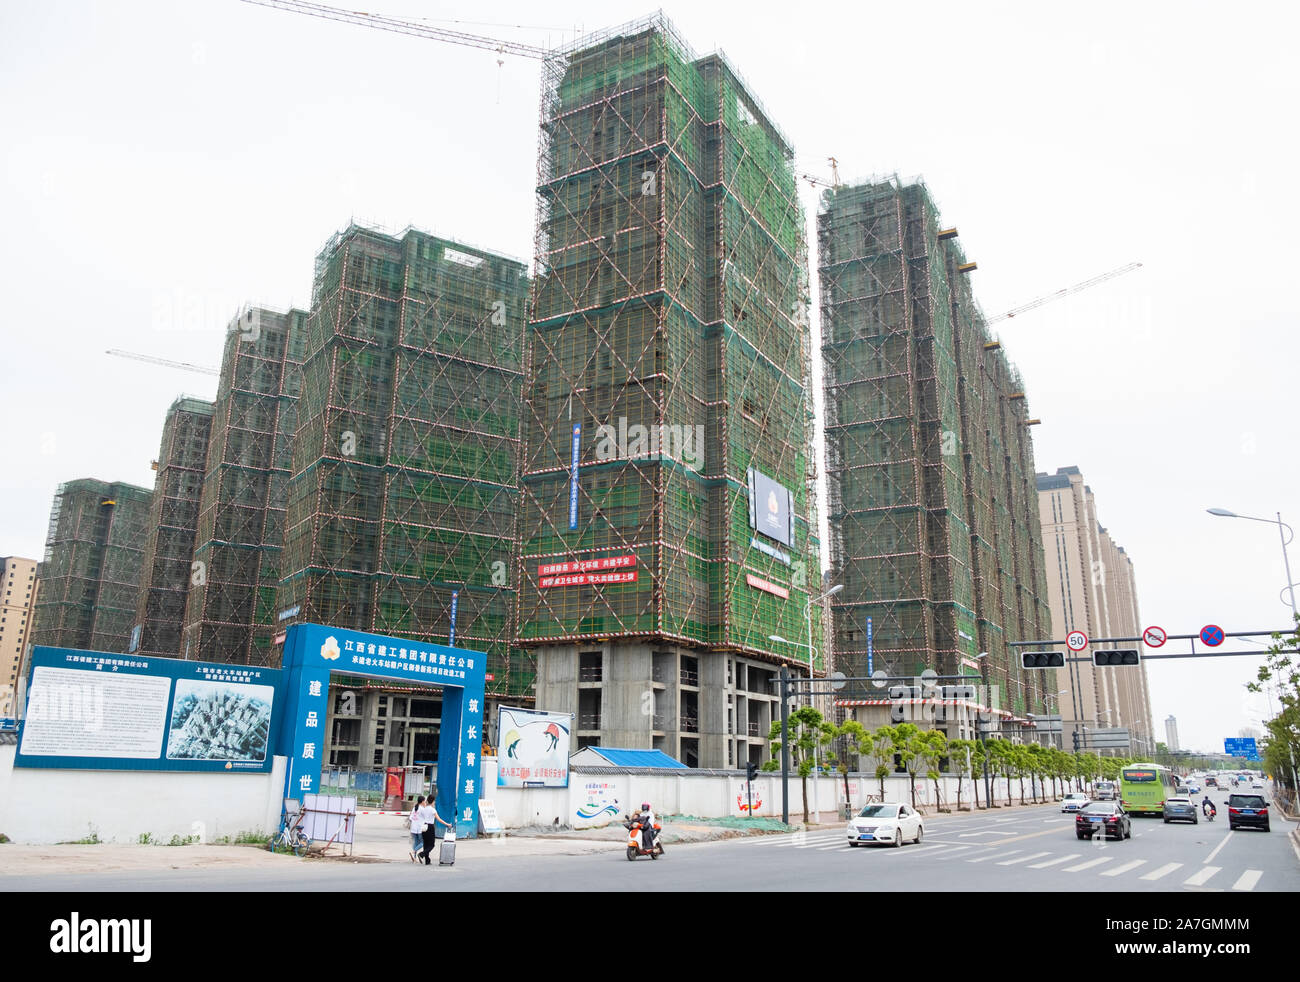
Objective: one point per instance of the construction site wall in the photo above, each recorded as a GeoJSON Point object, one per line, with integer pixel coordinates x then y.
{"type": "Point", "coordinates": [929, 462]}
{"type": "Point", "coordinates": [173, 521]}
{"type": "Point", "coordinates": [668, 352]}
{"type": "Point", "coordinates": [402, 499]}
{"type": "Point", "coordinates": [91, 570]}
{"type": "Point", "coordinates": [230, 613]}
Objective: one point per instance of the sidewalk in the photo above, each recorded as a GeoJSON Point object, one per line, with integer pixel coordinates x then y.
{"type": "Point", "coordinates": [379, 839]}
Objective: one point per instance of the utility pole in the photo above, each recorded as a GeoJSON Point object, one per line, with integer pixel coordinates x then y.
{"type": "Point", "coordinates": [785, 745]}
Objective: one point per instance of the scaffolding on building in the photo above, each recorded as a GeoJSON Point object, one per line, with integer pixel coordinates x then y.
{"type": "Point", "coordinates": [929, 462]}
{"type": "Point", "coordinates": [173, 522]}
{"type": "Point", "coordinates": [91, 569]}
{"type": "Point", "coordinates": [668, 354]}
{"type": "Point", "coordinates": [230, 613]}
{"type": "Point", "coordinates": [404, 488]}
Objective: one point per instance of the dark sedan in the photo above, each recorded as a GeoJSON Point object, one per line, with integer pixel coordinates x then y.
{"type": "Point", "coordinates": [1105, 817]}
{"type": "Point", "coordinates": [1180, 809]}
{"type": "Point", "coordinates": [1247, 811]}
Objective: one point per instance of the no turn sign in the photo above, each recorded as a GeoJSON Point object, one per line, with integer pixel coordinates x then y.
{"type": "Point", "coordinates": [1155, 636]}
{"type": "Point", "coordinates": [1076, 640]}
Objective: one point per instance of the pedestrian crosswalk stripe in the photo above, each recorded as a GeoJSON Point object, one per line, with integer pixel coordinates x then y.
{"type": "Point", "coordinates": [996, 855]}
{"type": "Point", "coordinates": [1088, 865]}
{"type": "Point", "coordinates": [1053, 862]}
{"type": "Point", "coordinates": [1198, 879]}
{"type": "Point", "coordinates": [1032, 855]}
{"type": "Point", "coordinates": [1164, 870]}
{"type": "Point", "coordinates": [1248, 879]}
{"type": "Point", "coordinates": [1119, 870]}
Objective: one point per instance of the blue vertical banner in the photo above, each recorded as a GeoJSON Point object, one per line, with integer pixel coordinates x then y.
{"type": "Point", "coordinates": [573, 477]}
{"type": "Point", "coordinates": [870, 659]}
{"type": "Point", "coordinates": [451, 636]}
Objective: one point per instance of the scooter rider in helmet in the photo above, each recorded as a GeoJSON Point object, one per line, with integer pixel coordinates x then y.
{"type": "Point", "coordinates": [647, 826]}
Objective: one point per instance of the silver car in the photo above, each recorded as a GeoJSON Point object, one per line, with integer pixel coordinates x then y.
{"type": "Point", "coordinates": [1180, 809]}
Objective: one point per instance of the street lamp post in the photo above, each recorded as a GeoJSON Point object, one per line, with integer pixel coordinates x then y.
{"type": "Point", "coordinates": [1290, 586]}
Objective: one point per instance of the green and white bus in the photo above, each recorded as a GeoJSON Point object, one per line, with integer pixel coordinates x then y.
{"type": "Point", "coordinates": [1143, 788]}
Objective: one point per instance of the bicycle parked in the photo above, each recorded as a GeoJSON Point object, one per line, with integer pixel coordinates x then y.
{"type": "Point", "coordinates": [291, 837]}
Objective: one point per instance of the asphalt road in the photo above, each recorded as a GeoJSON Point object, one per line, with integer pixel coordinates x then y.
{"type": "Point", "coordinates": [1033, 849]}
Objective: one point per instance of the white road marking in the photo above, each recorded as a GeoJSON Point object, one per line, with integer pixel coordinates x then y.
{"type": "Point", "coordinates": [1119, 870]}
{"type": "Point", "coordinates": [1226, 836]}
{"type": "Point", "coordinates": [1248, 879]}
{"type": "Point", "coordinates": [1198, 879]}
{"type": "Point", "coordinates": [996, 855]}
{"type": "Point", "coordinates": [1088, 865]}
{"type": "Point", "coordinates": [1053, 862]}
{"type": "Point", "coordinates": [1164, 870]}
{"type": "Point", "coordinates": [1034, 855]}
{"type": "Point", "coordinates": [970, 835]}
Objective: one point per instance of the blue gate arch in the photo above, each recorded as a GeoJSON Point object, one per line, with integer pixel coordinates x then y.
{"type": "Point", "coordinates": [313, 651]}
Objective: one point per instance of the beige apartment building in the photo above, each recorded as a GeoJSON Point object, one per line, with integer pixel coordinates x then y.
{"type": "Point", "coordinates": [18, 586]}
{"type": "Point", "coordinates": [1092, 589]}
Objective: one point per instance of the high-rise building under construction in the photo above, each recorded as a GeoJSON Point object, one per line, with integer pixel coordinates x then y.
{"type": "Point", "coordinates": [230, 615]}
{"type": "Point", "coordinates": [933, 511]}
{"type": "Point", "coordinates": [404, 484]}
{"type": "Point", "coordinates": [173, 519]}
{"type": "Point", "coordinates": [667, 533]}
{"type": "Point", "coordinates": [91, 571]}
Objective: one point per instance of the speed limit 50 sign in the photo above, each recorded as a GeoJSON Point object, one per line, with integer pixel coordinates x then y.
{"type": "Point", "coordinates": [1076, 640]}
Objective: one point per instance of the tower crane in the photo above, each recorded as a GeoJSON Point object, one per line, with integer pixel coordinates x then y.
{"type": "Point", "coordinates": [184, 366]}
{"type": "Point", "coordinates": [412, 28]}
{"type": "Point", "coordinates": [1065, 292]}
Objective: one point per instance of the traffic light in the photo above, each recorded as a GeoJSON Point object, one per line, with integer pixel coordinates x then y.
{"type": "Point", "coordinates": [1042, 659]}
{"type": "Point", "coordinates": [1076, 741]}
{"type": "Point", "coordinates": [751, 771]}
{"type": "Point", "coordinates": [1115, 656]}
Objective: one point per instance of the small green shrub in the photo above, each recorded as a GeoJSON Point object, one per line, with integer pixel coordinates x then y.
{"type": "Point", "coordinates": [183, 840]}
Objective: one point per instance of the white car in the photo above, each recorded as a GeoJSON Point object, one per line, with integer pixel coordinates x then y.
{"type": "Point", "coordinates": [1074, 801]}
{"type": "Point", "coordinates": [891, 822]}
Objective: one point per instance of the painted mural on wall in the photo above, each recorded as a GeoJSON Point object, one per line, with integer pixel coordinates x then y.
{"type": "Point", "coordinates": [533, 748]}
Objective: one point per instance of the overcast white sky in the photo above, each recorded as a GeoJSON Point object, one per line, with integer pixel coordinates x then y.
{"type": "Point", "coordinates": [165, 162]}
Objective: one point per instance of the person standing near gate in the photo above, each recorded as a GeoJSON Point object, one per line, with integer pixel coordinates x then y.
{"type": "Point", "coordinates": [417, 829]}
{"type": "Point", "coordinates": [428, 814]}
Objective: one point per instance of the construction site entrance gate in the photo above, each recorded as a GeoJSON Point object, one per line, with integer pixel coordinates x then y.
{"type": "Point", "coordinates": [313, 651]}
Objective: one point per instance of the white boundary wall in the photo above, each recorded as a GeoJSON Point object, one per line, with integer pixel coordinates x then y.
{"type": "Point", "coordinates": [45, 805]}
{"type": "Point", "coordinates": [599, 796]}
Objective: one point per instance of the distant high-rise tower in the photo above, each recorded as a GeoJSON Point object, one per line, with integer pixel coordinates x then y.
{"type": "Point", "coordinates": [1171, 734]}
{"type": "Point", "coordinates": [173, 518]}
{"type": "Point", "coordinates": [1092, 589]}
{"type": "Point", "coordinates": [402, 499]}
{"type": "Point", "coordinates": [230, 615]}
{"type": "Point", "coordinates": [929, 463]}
{"type": "Point", "coordinates": [91, 572]}
{"type": "Point", "coordinates": [666, 532]}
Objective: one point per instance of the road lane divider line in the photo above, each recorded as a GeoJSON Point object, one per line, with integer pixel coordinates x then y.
{"type": "Point", "coordinates": [1053, 862]}
{"type": "Point", "coordinates": [1226, 836]}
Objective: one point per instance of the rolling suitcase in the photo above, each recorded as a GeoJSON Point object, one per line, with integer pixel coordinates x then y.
{"type": "Point", "coordinates": [447, 854]}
